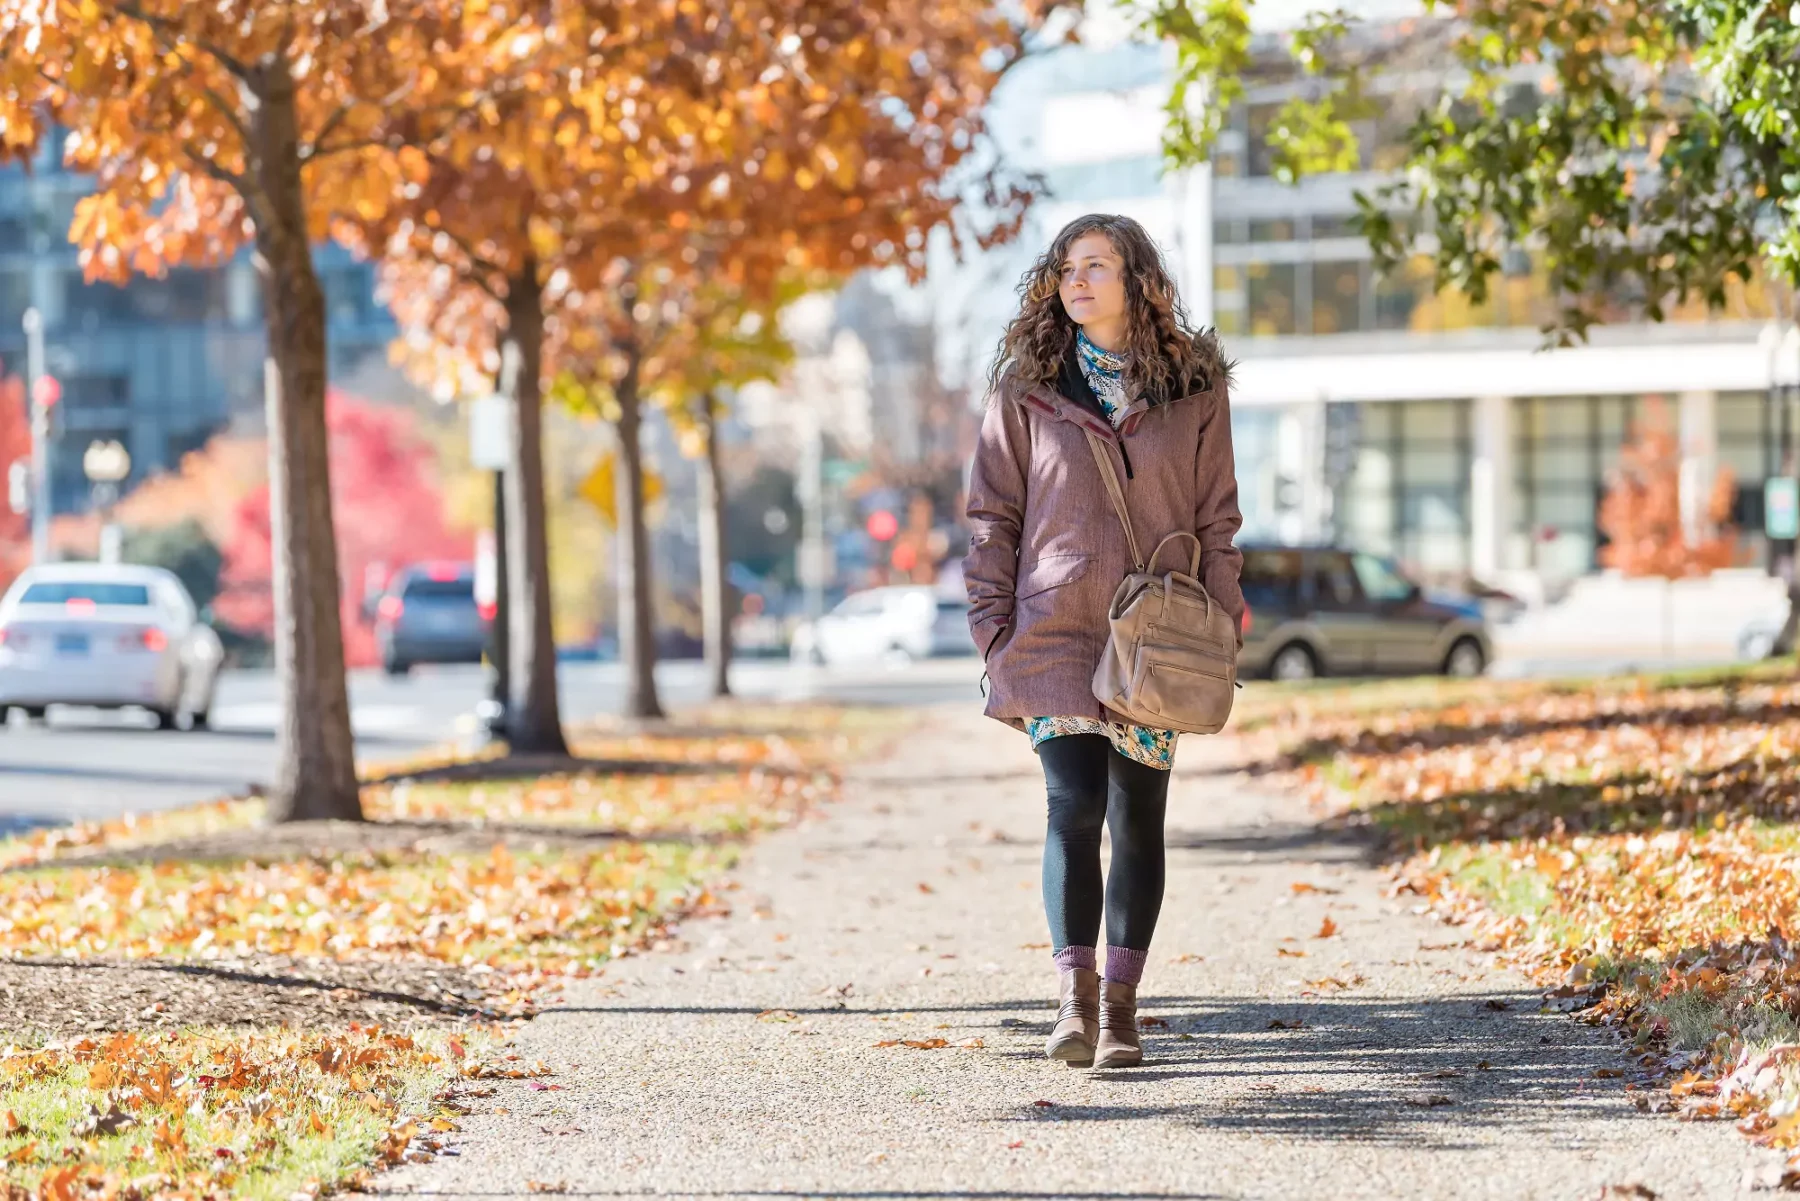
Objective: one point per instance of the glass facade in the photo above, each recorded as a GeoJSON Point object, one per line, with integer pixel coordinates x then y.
{"type": "Point", "coordinates": [1406, 492]}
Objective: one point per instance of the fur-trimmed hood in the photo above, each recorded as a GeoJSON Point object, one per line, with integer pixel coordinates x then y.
{"type": "Point", "coordinates": [1070, 399]}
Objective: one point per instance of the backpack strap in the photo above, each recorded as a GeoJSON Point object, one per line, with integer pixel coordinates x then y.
{"type": "Point", "coordinates": [1113, 489]}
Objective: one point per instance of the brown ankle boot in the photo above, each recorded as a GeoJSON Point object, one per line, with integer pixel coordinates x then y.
{"type": "Point", "coordinates": [1118, 1046]}
{"type": "Point", "coordinates": [1077, 1018]}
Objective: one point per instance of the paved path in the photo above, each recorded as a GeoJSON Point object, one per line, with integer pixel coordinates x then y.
{"type": "Point", "coordinates": [910, 911]}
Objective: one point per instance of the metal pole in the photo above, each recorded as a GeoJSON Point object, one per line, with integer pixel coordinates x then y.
{"type": "Point", "coordinates": [40, 436]}
{"type": "Point", "coordinates": [812, 500]}
{"type": "Point", "coordinates": [500, 634]}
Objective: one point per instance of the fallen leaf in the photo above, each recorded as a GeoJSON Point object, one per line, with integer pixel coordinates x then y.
{"type": "Point", "coordinates": [971, 1044]}
{"type": "Point", "coordinates": [1607, 1073]}
{"type": "Point", "coordinates": [1150, 1023]}
{"type": "Point", "coordinates": [1327, 928]}
{"type": "Point", "coordinates": [926, 888]}
{"type": "Point", "coordinates": [10, 1124]}
{"type": "Point", "coordinates": [558, 1131]}
{"type": "Point", "coordinates": [546, 1186]}
{"type": "Point", "coordinates": [1285, 953]}
{"type": "Point", "coordinates": [1187, 958]}
{"type": "Point", "coordinates": [1278, 1024]}
{"type": "Point", "coordinates": [1495, 1004]}
{"type": "Point", "coordinates": [777, 1015]}
{"type": "Point", "coordinates": [1015, 1144]}
{"type": "Point", "coordinates": [110, 1122]}
{"type": "Point", "coordinates": [1430, 1101]}
{"type": "Point", "coordinates": [1043, 1104]}
{"type": "Point", "coordinates": [1634, 1192]}
{"type": "Point", "coordinates": [541, 1087]}
{"type": "Point", "coordinates": [1483, 1065]}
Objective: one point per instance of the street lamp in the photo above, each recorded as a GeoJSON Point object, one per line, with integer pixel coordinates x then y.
{"type": "Point", "coordinates": [106, 464]}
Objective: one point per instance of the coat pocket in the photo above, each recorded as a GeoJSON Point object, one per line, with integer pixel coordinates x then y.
{"type": "Point", "coordinates": [1050, 571]}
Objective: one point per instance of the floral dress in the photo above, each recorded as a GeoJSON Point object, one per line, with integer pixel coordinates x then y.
{"type": "Point", "coordinates": [1105, 374]}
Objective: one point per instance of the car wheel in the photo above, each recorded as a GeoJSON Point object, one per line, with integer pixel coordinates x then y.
{"type": "Point", "coordinates": [34, 713]}
{"type": "Point", "coordinates": [395, 668]}
{"type": "Point", "coordinates": [165, 719]}
{"type": "Point", "coordinates": [1295, 661]}
{"type": "Point", "coordinates": [1465, 660]}
{"type": "Point", "coordinates": [199, 721]}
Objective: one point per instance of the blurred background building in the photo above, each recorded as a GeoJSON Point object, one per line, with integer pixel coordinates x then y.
{"type": "Point", "coordinates": [1370, 410]}
{"type": "Point", "coordinates": [161, 365]}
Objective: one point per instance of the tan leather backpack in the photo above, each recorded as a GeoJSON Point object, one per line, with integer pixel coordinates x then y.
{"type": "Point", "coordinates": [1171, 653]}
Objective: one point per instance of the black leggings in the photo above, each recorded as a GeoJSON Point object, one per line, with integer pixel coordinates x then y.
{"type": "Point", "coordinates": [1090, 783]}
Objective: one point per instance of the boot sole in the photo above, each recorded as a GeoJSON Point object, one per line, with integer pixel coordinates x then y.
{"type": "Point", "coordinates": [1071, 1051]}
{"type": "Point", "coordinates": [1127, 1059]}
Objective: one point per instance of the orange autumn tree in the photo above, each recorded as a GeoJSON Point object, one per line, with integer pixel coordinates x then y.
{"type": "Point", "coordinates": [1641, 516]}
{"type": "Point", "coordinates": [220, 126]}
{"type": "Point", "coordinates": [1641, 512]}
{"type": "Point", "coordinates": [805, 137]}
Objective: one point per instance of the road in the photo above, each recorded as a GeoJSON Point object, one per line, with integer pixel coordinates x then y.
{"type": "Point", "coordinates": [87, 763]}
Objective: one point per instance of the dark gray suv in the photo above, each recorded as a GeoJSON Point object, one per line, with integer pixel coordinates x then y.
{"type": "Point", "coordinates": [428, 615]}
{"type": "Point", "coordinates": [1320, 610]}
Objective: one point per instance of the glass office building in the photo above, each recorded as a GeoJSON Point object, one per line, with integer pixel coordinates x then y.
{"type": "Point", "coordinates": [1370, 409]}
{"type": "Point", "coordinates": [158, 364]}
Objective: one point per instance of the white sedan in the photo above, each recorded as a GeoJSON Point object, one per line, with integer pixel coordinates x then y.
{"type": "Point", "coordinates": [894, 625]}
{"type": "Point", "coordinates": [107, 636]}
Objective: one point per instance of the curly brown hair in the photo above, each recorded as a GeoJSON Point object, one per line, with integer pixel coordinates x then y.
{"type": "Point", "coordinates": [1164, 354]}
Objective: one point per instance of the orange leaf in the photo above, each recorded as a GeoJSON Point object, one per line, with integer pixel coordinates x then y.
{"type": "Point", "coordinates": [1327, 928]}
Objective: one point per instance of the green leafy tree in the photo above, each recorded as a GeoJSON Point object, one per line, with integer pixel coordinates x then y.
{"type": "Point", "coordinates": [1639, 150]}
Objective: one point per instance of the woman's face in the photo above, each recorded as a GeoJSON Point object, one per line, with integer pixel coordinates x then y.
{"type": "Point", "coordinates": [1093, 288]}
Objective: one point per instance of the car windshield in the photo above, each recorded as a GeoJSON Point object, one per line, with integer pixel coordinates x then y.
{"type": "Point", "coordinates": [952, 606]}
{"type": "Point", "coordinates": [93, 592]}
{"type": "Point", "coordinates": [441, 590]}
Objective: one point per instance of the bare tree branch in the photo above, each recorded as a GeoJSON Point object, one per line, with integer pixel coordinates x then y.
{"type": "Point", "coordinates": [207, 165]}
{"type": "Point", "coordinates": [484, 267]}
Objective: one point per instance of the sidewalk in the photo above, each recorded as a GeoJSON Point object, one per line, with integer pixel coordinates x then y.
{"type": "Point", "coordinates": [744, 1060]}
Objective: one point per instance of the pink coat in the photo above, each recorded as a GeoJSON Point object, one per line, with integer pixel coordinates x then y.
{"type": "Point", "coordinates": [1046, 550]}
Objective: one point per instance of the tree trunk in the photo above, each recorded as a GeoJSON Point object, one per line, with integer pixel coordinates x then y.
{"type": "Point", "coordinates": [315, 759]}
{"type": "Point", "coordinates": [715, 592]}
{"type": "Point", "coordinates": [533, 716]}
{"type": "Point", "coordinates": [637, 627]}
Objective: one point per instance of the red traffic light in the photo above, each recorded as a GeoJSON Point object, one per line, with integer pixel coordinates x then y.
{"type": "Point", "coordinates": [883, 525]}
{"type": "Point", "coordinates": [46, 391]}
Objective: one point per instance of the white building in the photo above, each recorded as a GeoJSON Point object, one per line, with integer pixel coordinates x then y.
{"type": "Point", "coordinates": [1367, 410]}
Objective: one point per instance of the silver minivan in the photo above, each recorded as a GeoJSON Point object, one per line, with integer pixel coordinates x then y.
{"type": "Point", "coordinates": [1321, 610]}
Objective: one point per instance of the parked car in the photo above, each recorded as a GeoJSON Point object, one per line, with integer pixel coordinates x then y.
{"type": "Point", "coordinates": [895, 624]}
{"type": "Point", "coordinates": [109, 636]}
{"type": "Point", "coordinates": [428, 615]}
{"type": "Point", "coordinates": [1316, 611]}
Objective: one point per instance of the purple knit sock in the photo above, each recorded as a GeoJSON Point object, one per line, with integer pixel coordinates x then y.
{"type": "Point", "coordinates": [1124, 966]}
{"type": "Point", "coordinates": [1070, 958]}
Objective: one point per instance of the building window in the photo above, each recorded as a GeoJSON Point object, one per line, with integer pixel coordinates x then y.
{"type": "Point", "coordinates": [1272, 292]}
{"type": "Point", "coordinates": [1279, 230]}
{"type": "Point", "coordinates": [1564, 447]}
{"type": "Point", "coordinates": [1337, 297]}
{"type": "Point", "coordinates": [1407, 494]}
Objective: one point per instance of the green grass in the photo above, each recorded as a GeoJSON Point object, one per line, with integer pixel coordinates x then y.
{"type": "Point", "coordinates": [294, 1124]}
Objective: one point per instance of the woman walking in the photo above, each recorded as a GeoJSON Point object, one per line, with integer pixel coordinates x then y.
{"type": "Point", "coordinates": [1100, 345]}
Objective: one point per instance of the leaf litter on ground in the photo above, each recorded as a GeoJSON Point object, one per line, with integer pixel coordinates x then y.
{"type": "Point", "coordinates": [460, 931]}
{"type": "Point", "coordinates": [1631, 842]}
